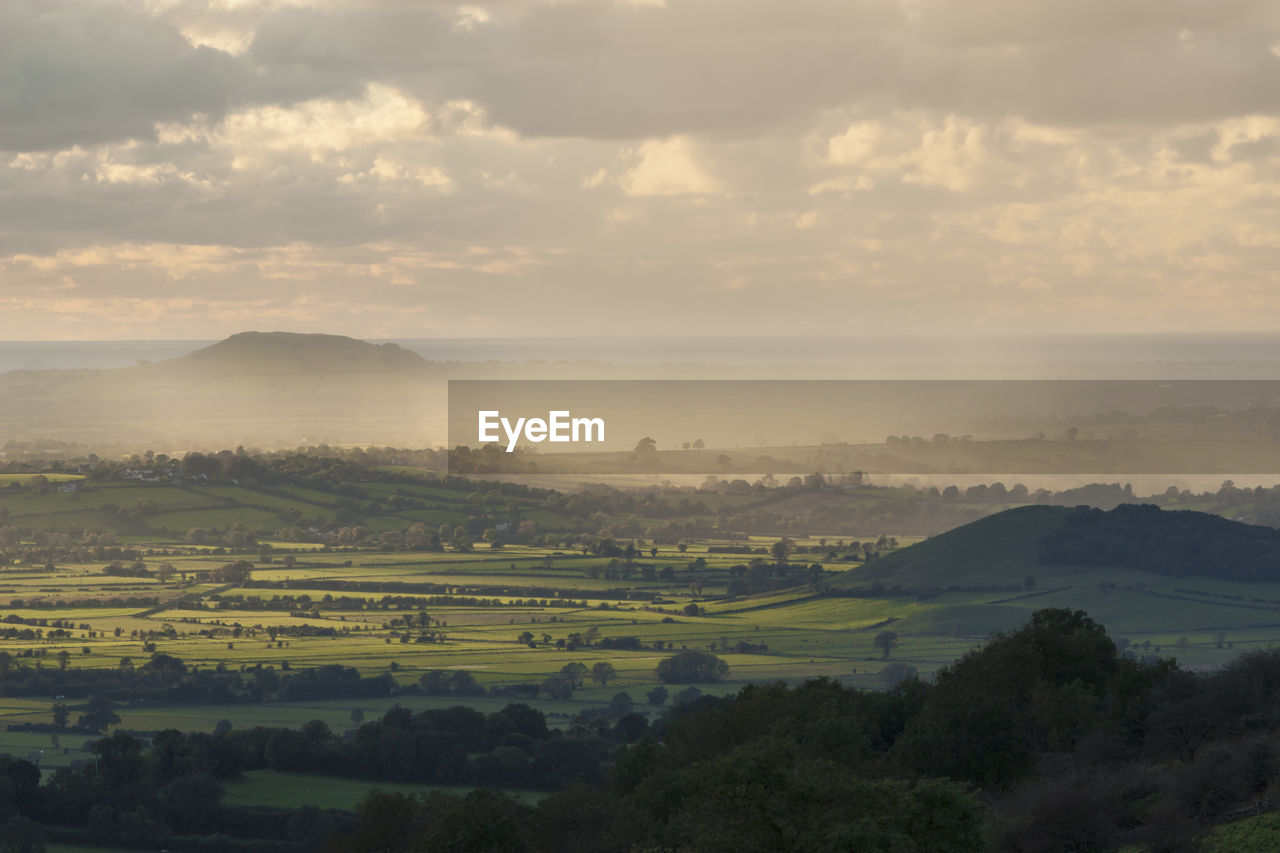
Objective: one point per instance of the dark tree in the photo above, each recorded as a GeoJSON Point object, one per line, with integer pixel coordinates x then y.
{"type": "Point", "coordinates": [886, 641]}
{"type": "Point", "coordinates": [691, 667]}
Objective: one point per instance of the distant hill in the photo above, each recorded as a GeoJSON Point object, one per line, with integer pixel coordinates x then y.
{"type": "Point", "coordinates": [265, 389]}
{"type": "Point", "coordinates": [1041, 541]}
{"type": "Point", "coordinates": [290, 352]}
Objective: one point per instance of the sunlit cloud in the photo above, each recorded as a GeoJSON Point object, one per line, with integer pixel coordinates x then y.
{"type": "Point", "coordinates": [509, 167]}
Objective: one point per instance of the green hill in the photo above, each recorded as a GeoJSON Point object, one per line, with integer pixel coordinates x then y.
{"type": "Point", "coordinates": [996, 550]}
{"type": "Point", "coordinates": [1042, 542]}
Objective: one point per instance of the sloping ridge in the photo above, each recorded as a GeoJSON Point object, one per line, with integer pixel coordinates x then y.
{"type": "Point", "coordinates": [1003, 544]}
{"type": "Point", "coordinates": [1035, 540]}
{"type": "Point", "coordinates": [295, 353]}
{"type": "Point", "coordinates": [263, 389]}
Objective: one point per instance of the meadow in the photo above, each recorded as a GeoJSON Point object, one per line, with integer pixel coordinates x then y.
{"type": "Point", "coordinates": [293, 790]}
{"type": "Point", "coordinates": [514, 614]}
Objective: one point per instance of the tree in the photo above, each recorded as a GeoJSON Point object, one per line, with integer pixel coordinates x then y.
{"type": "Point", "coordinates": [985, 717]}
{"type": "Point", "coordinates": [575, 672]}
{"type": "Point", "coordinates": [646, 447]}
{"type": "Point", "coordinates": [602, 673]}
{"type": "Point", "coordinates": [657, 696]}
{"type": "Point", "coordinates": [895, 673]}
{"type": "Point", "coordinates": [61, 713]}
{"type": "Point", "coordinates": [190, 803]}
{"type": "Point", "coordinates": [691, 667]}
{"type": "Point", "coordinates": [98, 715]}
{"type": "Point", "coordinates": [357, 716]}
{"type": "Point", "coordinates": [689, 694]}
{"type": "Point", "coordinates": [557, 687]}
{"type": "Point", "coordinates": [165, 571]}
{"type": "Point", "coordinates": [781, 549]}
{"type": "Point", "coordinates": [237, 572]}
{"type": "Point", "coordinates": [20, 834]}
{"type": "Point", "coordinates": [885, 641]}
{"type": "Point", "coordinates": [621, 703]}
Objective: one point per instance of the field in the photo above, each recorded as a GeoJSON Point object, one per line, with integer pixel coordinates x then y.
{"type": "Point", "coordinates": [794, 633]}
{"type": "Point", "coordinates": [516, 614]}
{"type": "Point", "coordinates": [293, 790]}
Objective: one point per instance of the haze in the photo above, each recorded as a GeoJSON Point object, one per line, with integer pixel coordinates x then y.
{"type": "Point", "coordinates": [174, 169]}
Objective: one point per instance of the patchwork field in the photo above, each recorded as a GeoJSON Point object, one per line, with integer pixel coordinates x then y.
{"type": "Point", "coordinates": [516, 614]}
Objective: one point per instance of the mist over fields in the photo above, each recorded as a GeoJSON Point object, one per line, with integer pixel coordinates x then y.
{"type": "Point", "coordinates": [274, 390]}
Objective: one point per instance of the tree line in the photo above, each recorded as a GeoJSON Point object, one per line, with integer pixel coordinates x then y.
{"type": "Point", "coordinates": [1046, 738]}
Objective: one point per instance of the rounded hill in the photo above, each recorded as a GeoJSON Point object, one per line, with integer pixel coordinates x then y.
{"type": "Point", "coordinates": [1030, 541]}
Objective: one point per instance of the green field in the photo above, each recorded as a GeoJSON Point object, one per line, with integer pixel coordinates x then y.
{"type": "Point", "coordinates": [293, 790]}
{"type": "Point", "coordinates": [345, 604]}
{"type": "Point", "coordinates": [52, 477]}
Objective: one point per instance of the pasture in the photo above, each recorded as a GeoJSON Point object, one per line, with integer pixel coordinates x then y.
{"type": "Point", "coordinates": [294, 790]}
{"type": "Point", "coordinates": [516, 614]}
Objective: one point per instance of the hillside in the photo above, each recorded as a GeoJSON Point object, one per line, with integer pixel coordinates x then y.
{"type": "Point", "coordinates": [1046, 541]}
{"type": "Point", "coordinates": [999, 549]}
{"type": "Point", "coordinates": [289, 352]}
{"type": "Point", "coordinates": [268, 389]}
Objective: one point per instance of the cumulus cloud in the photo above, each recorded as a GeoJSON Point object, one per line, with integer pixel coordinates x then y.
{"type": "Point", "coordinates": [74, 72]}
{"type": "Point", "coordinates": [624, 70]}
{"type": "Point", "coordinates": [668, 167]}
{"type": "Point", "coordinates": [409, 166]}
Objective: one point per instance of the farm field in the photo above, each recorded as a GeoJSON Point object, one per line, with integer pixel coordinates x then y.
{"type": "Point", "coordinates": [482, 611]}
{"type": "Point", "coordinates": [515, 614]}
{"type": "Point", "coordinates": [293, 790]}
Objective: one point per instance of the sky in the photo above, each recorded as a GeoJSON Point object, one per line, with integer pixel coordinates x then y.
{"type": "Point", "coordinates": [175, 169]}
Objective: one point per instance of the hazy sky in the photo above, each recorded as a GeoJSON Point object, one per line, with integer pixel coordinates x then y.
{"type": "Point", "coordinates": [384, 168]}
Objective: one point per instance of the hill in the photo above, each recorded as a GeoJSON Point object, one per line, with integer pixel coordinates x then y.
{"type": "Point", "coordinates": [999, 549]}
{"type": "Point", "coordinates": [1046, 541]}
{"type": "Point", "coordinates": [290, 352]}
{"type": "Point", "coordinates": [268, 389]}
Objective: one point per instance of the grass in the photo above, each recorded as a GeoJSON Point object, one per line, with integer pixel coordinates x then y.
{"type": "Point", "coordinates": [796, 633]}
{"type": "Point", "coordinates": [965, 556]}
{"type": "Point", "coordinates": [1259, 834]}
{"type": "Point", "coordinates": [293, 790]}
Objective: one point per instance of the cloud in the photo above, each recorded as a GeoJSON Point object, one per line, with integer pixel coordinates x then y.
{"type": "Point", "coordinates": [516, 164]}
{"type": "Point", "coordinates": [632, 71]}
{"type": "Point", "coordinates": [668, 167]}
{"type": "Point", "coordinates": [74, 72]}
